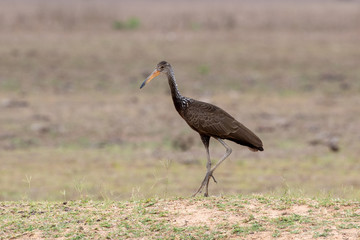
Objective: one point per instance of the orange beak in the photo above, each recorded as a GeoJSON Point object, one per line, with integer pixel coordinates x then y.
{"type": "Point", "coordinates": [154, 74]}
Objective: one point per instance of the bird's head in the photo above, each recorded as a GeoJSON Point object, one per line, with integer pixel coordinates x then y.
{"type": "Point", "coordinates": [161, 67]}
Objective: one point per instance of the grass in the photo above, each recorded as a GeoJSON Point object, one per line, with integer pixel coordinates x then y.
{"type": "Point", "coordinates": [105, 174]}
{"type": "Point", "coordinates": [130, 24]}
{"type": "Point", "coordinates": [182, 218]}
{"type": "Point", "coordinates": [139, 141]}
{"type": "Point", "coordinates": [76, 128]}
{"type": "Point", "coordinates": [82, 49]}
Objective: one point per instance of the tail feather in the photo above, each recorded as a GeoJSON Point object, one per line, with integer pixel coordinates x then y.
{"type": "Point", "coordinates": [247, 138]}
{"type": "Point", "coordinates": [252, 147]}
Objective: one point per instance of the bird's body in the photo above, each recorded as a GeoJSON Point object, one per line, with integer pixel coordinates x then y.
{"type": "Point", "coordinates": [209, 121]}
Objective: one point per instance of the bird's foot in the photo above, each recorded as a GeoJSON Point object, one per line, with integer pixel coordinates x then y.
{"type": "Point", "coordinates": [200, 188]}
{"type": "Point", "coordinates": [204, 183]}
{"type": "Point", "coordinates": [213, 178]}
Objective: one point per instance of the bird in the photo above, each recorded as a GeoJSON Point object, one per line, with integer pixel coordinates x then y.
{"type": "Point", "coordinates": [209, 121]}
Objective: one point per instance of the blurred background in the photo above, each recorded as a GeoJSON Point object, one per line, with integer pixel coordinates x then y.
{"type": "Point", "coordinates": [74, 124]}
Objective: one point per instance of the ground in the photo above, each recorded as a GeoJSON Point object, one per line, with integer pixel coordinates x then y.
{"type": "Point", "coordinates": [226, 217]}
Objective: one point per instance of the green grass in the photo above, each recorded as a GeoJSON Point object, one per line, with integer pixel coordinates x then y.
{"type": "Point", "coordinates": [182, 218]}
{"type": "Point", "coordinates": [130, 24]}
{"type": "Point", "coordinates": [127, 171]}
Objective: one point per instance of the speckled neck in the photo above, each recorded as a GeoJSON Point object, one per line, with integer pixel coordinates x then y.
{"type": "Point", "coordinates": [180, 102]}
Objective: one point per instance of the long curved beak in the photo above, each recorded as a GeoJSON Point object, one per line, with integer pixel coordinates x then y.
{"type": "Point", "coordinates": [154, 74]}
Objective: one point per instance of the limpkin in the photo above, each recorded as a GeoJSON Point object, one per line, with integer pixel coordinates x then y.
{"type": "Point", "coordinates": [209, 121]}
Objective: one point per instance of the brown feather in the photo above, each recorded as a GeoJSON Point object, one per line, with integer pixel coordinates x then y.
{"type": "Point", "coordinates": [210, 120]}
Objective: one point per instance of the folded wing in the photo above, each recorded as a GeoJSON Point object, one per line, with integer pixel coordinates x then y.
{"type": "Point", "coordinates": [211, 120]}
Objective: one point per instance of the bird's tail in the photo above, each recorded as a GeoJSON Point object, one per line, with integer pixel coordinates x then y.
{"type": "Point", "coordinates": [249, 140]}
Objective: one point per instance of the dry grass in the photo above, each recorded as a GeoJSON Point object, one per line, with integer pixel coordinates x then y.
{"type": "Point", "coordinates": [280, 47]}
{"type": "Point", "coordinates": [74, 123]}
{"type": "Point", "coordinates": [186, 15]}
{"type": "Point", "coordinates": [121, 152]}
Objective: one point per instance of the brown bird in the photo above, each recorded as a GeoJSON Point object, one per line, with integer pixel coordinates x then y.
{"type": "Point", "coordinates": [209, 121]}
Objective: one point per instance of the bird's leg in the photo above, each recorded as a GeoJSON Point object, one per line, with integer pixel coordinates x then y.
{"type": "Point", "coordinates": [204, 183]}
{"type": "Point", "coordinates": [208, 175]}
{"type": "Point", "coordinates": [208, 165]}
{"type": "Point", "coordinates": [227, 153]}
{"type": "Point", "coordinates": [206, 140]}
{"type": "Point", "coordinates": [210, 172]}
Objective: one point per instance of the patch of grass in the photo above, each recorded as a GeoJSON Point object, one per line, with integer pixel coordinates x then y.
{"type": "Point", "coordinates": [348, 226]}
{"type": "Point", "coordinates": [167, 219]}
{"type": "Point", "coordinates": [130, 24]}
{"type": "Point", "coordinates": [245, 230]}
{"type": "Point", "coordinates": [196, 26]}
{"type": "Point", "coordinates": [324, 233]}
{"type": "Point", "coordinates": [10, 85]}
{"type": "Point", "coordinates": [276, 234]}
{"type": "Point", "coordinates": [287, 221]}
{"type": "Point", "coordinates": [204, 69]}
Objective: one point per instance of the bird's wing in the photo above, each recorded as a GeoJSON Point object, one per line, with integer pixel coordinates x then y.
{"type": "Point", "coordinates": [211, 120]}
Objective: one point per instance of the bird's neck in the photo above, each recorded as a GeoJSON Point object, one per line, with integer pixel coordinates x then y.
{"type": "Point", "coordinates": [176, 96]}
